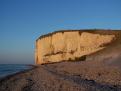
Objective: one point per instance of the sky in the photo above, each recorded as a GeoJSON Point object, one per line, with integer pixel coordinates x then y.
{"type": "Point", "coordinates": [23, 21]}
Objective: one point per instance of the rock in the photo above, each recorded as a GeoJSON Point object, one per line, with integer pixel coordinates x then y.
{"type": "Point", "coordinates": [70, 45]}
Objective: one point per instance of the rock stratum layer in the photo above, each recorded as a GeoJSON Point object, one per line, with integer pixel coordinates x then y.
{"type": "Point", "coordinates": [71, 45]}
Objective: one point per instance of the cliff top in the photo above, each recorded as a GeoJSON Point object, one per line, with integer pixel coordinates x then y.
{"type": "Point", "coordinates": [95, 31]}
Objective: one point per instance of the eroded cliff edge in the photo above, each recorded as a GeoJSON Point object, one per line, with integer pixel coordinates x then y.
{"type": "Point", "coordinates": [72, 45]}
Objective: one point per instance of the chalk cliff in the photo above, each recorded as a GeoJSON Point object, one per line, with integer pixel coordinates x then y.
{"type": "Point", "coordinates": [70, 45]}
{"type": "Point", "coordinates": [95, 63]}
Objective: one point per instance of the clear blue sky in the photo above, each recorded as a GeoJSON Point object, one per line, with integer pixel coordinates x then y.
{"type": "Point", "coordinates": [23, 21]}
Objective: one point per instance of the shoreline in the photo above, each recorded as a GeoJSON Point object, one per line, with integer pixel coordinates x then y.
{"type": "Point", "coordinates": [49, 76]}
{"type": "Point", "coordinates": [17, 73]}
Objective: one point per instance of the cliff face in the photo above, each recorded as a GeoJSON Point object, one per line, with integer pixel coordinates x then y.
{"type": "Point", "coordinates": [70, 45]}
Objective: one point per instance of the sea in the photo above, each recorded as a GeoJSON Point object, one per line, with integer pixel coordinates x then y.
{"type": "Point", "coordinates": [8, 69]}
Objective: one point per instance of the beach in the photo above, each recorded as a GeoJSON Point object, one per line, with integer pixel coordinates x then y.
{"type": "Point", "coordinates": [65, 76]}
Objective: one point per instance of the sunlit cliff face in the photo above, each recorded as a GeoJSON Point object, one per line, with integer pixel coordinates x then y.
{"type": "Point", "coordinates": [69, 45]}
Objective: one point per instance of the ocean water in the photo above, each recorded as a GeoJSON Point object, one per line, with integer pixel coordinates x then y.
{"type": "Point", "coordinates": [8, 69]}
